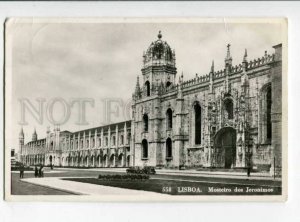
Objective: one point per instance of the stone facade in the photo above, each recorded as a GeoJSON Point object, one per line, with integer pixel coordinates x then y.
{"type": "Point", "coordinates": [229, 118]}
{"type": "Point", "coordinates": [107, 146]}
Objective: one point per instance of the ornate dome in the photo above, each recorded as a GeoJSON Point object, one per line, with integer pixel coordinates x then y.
{"type": "Point", "coordinates": [159, 50]}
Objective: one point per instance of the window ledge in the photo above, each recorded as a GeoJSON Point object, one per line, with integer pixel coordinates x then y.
{"type": "Point", "coordinates": [145, 158]}
{"type": "Point", "coordinates": [169, 158]}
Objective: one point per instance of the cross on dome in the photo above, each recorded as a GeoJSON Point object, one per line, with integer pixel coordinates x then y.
{"type": "Point", "coordinates": [159, 34]}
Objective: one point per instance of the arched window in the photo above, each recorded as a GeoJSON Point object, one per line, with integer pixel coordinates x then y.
{"type": "Point", "coordinates": [128, 138]}
{"type": "Point", "coordinates": [147, 85]}
{"type": "Point", "coordinates": [144, 149]}
{"type": "Point", "coordinates": [197, 110]}
{"type": "Point", "coordinates": [146, 122]}
{"type": "Point", "coordinates": [169, 119]}
{"type": "Point", "coordinates": [113, 140]}
{"type": "Point", "coordinates": [265, 114]}
{"type": "Point", "coordinates": [81, 143]}
{"type": "Point", "coordinates": [228, 108]}
{"type": "Point", "coordinates": [268, 114]}
{"type": "Point", "coordinates": [99, 141]}
{"type": "Point", "coordinates": [106, 141]}
{"type": "Point", "coordinates": [169, 148]}
{"type": "Point", "coordinates": [93, 142]}
{"type": "Point", "coordinates": [168, 84]}
{"type": "Point", "coordinates": [87, 143]}
{"type": "Point", "coordinates": [122, 140]}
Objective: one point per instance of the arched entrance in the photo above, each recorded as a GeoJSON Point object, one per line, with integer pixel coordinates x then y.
{"type": "Point", "coordinates": [144, 149]}
{"type": "Point", "coordinates": [169, 149]}
{"type": "Point", "coordinates": [147, 85]}
{"type": "Point", "coordinates": [112, 160]}
{"type": "Point", "coordinates": [50, 160]}
{"type": "Point", "coordinates": [105, 164]}
{"type": "Point", "coordinates": [225, 148]}
{"type": "Point", "coordinates": [120, 160]}
{"type": "Point", "coordinates": [128, 161]}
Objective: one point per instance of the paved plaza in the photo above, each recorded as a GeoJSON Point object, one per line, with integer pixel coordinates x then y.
{"type": "Point", "coordinates": [55, 182]}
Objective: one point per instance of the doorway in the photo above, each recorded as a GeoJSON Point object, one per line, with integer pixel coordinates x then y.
{"type": "Point", "coordinates": [225, 147]}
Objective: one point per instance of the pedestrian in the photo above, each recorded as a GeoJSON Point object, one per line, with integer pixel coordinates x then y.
{"type": "Point", "coordinates": [41, 171]}
{"type": "Point", "coordinates": [248, 171]}
{"type": "Point", "coordinates": [36, 172]}
{"type": "Point", "coordinates": [22, 171]}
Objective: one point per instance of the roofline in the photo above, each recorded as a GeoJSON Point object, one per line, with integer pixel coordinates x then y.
{"type": "Point", "coordinates": [277, 46]}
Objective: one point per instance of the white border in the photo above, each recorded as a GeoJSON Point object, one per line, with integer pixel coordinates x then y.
{"type": "Point", "coordinates": [175, 212]}
{"type": "Point", "coordinates": [164, 198]}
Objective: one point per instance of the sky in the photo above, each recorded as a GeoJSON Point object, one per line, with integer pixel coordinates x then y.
{"type": "Point", "coordinates": [101, 62]}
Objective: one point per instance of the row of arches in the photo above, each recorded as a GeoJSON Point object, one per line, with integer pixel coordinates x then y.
{"type": "Point", "coordinates": [34, 159]}
{"type": "Point", "coordinates": [106, 160]}
{"type": "Point", "coordinates": [228, 109]}
{"type": "Point", "coordinates": [145, 150]}
{"type": "Point", "coordinates": [169, 120]}
{"type": "Point", "coordinates": [148, 87]}
{"type": "Point", "coordinates": [93, 143]}
{"type": "Point", "coordinates": [197, 116]}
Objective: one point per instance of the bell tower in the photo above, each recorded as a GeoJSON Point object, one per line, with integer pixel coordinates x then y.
{"type": "Point", "coordinates": [158, 66]}
{"type": "Point", "coordinates": [21, 141]}
{"type": "Point", "coordinates": [34, 135]}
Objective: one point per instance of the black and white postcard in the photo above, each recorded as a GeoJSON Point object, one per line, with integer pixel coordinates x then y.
{"type": "Point", "coordinates": [146, 109]}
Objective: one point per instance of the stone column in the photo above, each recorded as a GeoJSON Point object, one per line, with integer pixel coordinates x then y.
{"type": "Point", "coordinates": [125, 142]}
{"type": "Point", "coordinates": [96, 141]}
{"type": "Point", "coordinates": [179, 154]}
{"type": "Point", "coordinates": [117, 137]}
{"type": "Point", "coordinates": [102, 137]}
{"type": "Point", "coordinates": [84, 141]}
{"type": "Point", "coordinates": [90, 136]}
{"type": "Point", "coordinates": [78, 141]}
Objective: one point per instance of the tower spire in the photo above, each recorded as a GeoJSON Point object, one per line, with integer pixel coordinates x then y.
{"type": "Point", "coordinates": [137, 87]}
{"type": "Point", "coordinates": [21, 141]}
{"type": "Point", "coordinates": [245, 62]}
{"type": "Point", "coordinates": [245, 56]}
{"type": "Point", "coordinates": [228, 51]}
{"type": "Point", "coordinates": [34, 135]}
{"type": "Point", "coordinates": [228, 59]}
{"type": "Point", "coordinates": [21, 134]}
{"type": "Point", "coordinates": [212, 69]}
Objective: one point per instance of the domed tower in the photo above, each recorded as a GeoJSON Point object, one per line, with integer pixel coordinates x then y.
{"type": "Point", "coordinates": [34, 135]}
{"type": "Point", "coordinates": [158, 66]}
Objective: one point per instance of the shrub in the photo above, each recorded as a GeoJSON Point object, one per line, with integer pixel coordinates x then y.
{"type": "Point", "coordinates": [17, 168]}
{"type": "Point", "coordinates": [124, 177]}
{"type": "Point", "coordinates": [139, 170]}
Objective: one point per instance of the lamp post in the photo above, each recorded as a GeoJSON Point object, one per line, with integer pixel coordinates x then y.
{"type": "Point", "coordinates": [248, 144]}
